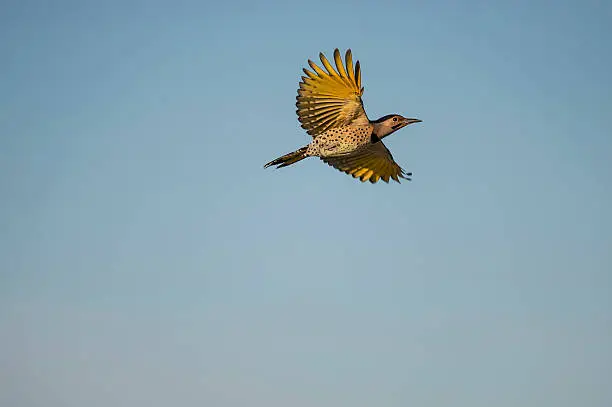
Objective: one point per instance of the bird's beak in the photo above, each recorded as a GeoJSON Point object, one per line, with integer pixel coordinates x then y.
{"type": "Point", "coordinates": [405, 122]}
{"type": "Point", "coordinates": [411, 121]}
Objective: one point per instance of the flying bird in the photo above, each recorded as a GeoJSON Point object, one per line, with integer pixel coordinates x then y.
{"type": "Point", "coordinates": [330, 108]}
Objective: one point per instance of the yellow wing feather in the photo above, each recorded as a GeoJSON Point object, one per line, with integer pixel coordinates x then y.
{"type": "Point", "coordinates": [332, 97]}
{"type": "Point", "coordinates": [369, 163]}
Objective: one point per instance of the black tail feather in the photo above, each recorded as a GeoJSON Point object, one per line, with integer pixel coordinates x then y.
{"type": "Point", "coordinates": [289, 159]}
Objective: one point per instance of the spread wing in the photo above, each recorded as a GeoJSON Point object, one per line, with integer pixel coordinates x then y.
{"type": "Point", "coordinates": [369, 163]}
{"type": "Point", "coordinates": [333, 98]}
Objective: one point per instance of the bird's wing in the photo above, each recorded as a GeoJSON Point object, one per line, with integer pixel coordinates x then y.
{"type": "Point", "coordinates": [333, 98]}
{"type": "Point", "coordinates": [369, 163]}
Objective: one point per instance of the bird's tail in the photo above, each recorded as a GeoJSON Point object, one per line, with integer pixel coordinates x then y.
{"type": "Point", "coordinates": [289, 159]}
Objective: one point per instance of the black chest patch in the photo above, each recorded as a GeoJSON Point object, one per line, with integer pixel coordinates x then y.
{"type": "Point", "coordinates": [374, 138]}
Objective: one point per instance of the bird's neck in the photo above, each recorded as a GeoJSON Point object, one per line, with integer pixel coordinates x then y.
{"type": "Point", "coordinates": [381, 130]}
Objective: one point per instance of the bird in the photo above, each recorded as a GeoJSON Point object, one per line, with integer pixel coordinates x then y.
{"type": "Point", "coordinates": [330, 108]}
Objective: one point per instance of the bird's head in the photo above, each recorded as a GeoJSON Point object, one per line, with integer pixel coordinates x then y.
{"type": "Point", "coordinates": [391, 123]}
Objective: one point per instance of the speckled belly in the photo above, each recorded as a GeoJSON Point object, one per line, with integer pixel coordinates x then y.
{"type": "Point", "coordinates": [339, 140]}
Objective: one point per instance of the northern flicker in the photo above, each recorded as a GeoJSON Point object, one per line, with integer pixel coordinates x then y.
{"type": "Point", "coordinates": [330, 108]}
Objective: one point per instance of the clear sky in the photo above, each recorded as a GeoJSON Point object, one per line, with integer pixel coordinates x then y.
{"type": "Point", "coordinates": [147, 258]}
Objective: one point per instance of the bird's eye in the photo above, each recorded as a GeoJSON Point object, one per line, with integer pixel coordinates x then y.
{"type": "Point", "coordinates": [395, 119]}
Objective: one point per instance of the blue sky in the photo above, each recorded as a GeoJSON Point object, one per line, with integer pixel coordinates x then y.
{"type": "Point", "coordinates": [147, 258]}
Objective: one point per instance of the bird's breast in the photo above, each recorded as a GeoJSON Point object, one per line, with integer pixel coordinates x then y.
{"type": "Point", "coordinates": [342, 140]}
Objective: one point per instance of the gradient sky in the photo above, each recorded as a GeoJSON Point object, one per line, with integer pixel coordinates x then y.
{"type": "Point", "coordinates": [147, 258]}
